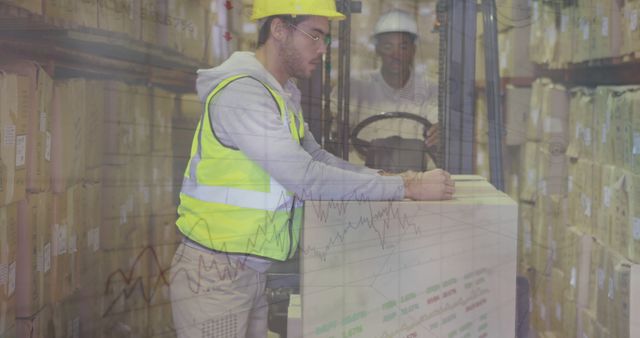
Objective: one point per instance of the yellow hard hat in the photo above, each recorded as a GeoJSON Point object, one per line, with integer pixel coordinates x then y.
{"type": "Point", "coordinates": [266, 8]}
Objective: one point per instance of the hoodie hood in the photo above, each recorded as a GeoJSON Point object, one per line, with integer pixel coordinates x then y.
{"type": "Point", "coordinates": [238, 63]}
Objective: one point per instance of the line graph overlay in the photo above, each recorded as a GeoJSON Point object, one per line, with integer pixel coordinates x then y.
{"type": "Point", "coordinates": [411, 269]}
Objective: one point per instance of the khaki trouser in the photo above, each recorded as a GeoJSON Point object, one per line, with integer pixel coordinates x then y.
{"type": "Point", "coordinates": [213, 297]}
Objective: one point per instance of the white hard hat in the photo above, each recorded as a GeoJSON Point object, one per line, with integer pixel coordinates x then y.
{"type": "Point", "coordinates": [396, 21]}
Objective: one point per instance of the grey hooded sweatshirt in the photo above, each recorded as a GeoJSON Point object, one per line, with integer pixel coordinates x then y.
{"type": "Point", "coordinates": [245, 117]}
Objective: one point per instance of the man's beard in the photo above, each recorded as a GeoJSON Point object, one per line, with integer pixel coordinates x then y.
{"type": "Point", "coordinates": [292, 59]}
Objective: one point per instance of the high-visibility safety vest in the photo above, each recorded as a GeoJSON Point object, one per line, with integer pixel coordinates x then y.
{"type": "Point", "coordinates": [228, 203]}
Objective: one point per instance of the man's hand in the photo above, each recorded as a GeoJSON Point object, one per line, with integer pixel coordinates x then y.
{"type": "Point", "coordinates": [433, 136]}
{"type": "Point", "coordinates": [433, 185]}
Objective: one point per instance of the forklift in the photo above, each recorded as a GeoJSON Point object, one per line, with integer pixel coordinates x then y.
{"type": "Point", "coordinates": [456, 26]}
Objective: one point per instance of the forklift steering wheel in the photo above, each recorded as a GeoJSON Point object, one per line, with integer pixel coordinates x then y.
{"type": "Point", "coordinates": [362, 146]}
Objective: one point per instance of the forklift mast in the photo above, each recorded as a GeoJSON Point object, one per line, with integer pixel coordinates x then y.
{"type": "Point", "coordinates": [457, 83]}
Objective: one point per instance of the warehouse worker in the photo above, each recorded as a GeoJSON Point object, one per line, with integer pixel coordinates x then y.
{"type": "Point", "coordinates": [395, 86]}
{"type": "Point", "coordinates": [253, 161]}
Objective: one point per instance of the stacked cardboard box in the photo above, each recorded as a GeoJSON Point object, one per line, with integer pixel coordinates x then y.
{"type": "Point", "coordinates": [517, 108]}
{"type": "Point", "coordinates": [583, 240]}
{"type": "Point", "coordinates": [13, 132]}
{"type": "Point", "coordinates": [543, 41]}
{"type": "Point", "coordinates": [69, 155]}
{"type": "Point", "coordinates": [33, 265]}
{"type": "Point", "coordinates": [35, 99]}
{"type": "Point", "coordinates": [630, 29]}
{"type": "Point", "coordinates": [8, 255]}
{"type": "Point", "coordinates": [87, 204]}
{"type": "Point", "coordinates": [190, 29]}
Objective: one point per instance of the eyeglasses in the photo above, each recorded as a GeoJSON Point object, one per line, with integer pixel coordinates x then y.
{"type": "Point", "coordinates": [326, 39]}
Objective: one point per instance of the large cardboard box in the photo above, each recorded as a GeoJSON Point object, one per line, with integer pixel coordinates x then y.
{"type": "Point", "coordinates": [333, 278]}
{"type": "Point", "coordinates": [33, 272]}
{"type": "Point", "coordinates": [37, 101]}
{"type": "Point", "coordinates": [13, 137]}
{"type": "Point", "coordinates": [8, 255]}
{"type": "Point", "coordinates": [69, 164]}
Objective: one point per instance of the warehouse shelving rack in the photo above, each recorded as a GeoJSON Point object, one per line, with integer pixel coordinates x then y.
{"type": "Point", "coordinates": [67, 50]}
